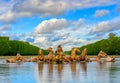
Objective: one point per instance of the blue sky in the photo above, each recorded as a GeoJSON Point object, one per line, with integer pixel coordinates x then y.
{"type": "Point", "coordinates": [71, 23]}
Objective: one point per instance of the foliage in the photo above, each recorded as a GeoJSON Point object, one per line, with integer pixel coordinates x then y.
{"type": "Point", "coordinates": [111, 46]}
{"type": "Point", "coordinates": [11, 47]}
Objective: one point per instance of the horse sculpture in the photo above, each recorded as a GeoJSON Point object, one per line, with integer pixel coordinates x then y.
{"type": "Point", "coordinates": [40, 57]}
{"type": "Point", "coordinates": [83, 56]}
{"type": "Point", "coordinates": [11, 60]}
{"type": "Point", "coordinates": [100, 55]}
{"type": "Point", "coordinates": [109, 59]}
{"type": "Point", "coordinates": [18, 57]}
{"type": "Point", "coordinates": [49, 57]}
{"type": "Point", "coordinates": [73, 54]}
{"type": "Point", "coordinates": [60, 56]}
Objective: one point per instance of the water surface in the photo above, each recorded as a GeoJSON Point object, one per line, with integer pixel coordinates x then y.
{"type": "Point", "coordinates": [77, 72]}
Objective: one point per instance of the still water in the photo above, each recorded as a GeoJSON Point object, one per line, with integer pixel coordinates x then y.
{"type": "Point", "coordinates": [80, 72]}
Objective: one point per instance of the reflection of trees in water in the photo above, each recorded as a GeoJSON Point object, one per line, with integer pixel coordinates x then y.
{"type": "Point", "coordinates": [113, 71]}
{"type": "Point", "coordinates": [107, 72]}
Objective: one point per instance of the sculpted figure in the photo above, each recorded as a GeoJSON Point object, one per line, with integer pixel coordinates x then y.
{"type": "Point", "coordinates": [73, 54]}
{"type": "Point", "coordinates": [49, 57]}
{"type": "Point", "coordinates": [100, 55]}
{"type": "Point", "coordinates": [40, 57]}
{"type": "Point", "coordinates": [60, 56]}
{"type": "Point", "coordinates": [109, 59]}
{"type": "Point", "coordinates": [11, 60]}
{"type": "Point", "coordinates": [83, 56]}
{"type": "Point", "coordinates": [18, 57]}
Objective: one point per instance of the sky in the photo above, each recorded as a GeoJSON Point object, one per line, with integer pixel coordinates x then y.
{"type": "Point", "coordinates": [69, 23]}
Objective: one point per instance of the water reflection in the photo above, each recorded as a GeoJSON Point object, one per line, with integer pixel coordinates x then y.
{"type": "Point", "coordinates": [84, 67]}
{"type": "Point", "coordinates": [75, 72]}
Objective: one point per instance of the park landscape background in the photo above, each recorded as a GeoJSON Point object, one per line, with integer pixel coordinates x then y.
{"type": "Point", "coordinates": [111, 46]}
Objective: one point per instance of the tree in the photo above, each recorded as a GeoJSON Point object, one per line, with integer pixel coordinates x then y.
{"type": "Point", "coordinates": [111, 35]}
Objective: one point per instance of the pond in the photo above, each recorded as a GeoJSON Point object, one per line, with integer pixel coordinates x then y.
{"type": "Point", "coordinates": [77, 72]}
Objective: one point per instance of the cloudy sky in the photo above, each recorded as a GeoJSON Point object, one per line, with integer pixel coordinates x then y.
{"type": "Point", "coordinates": [71, 23]}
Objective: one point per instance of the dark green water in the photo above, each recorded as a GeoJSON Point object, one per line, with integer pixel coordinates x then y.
{"type": "Point", "coordinates": [81, 72]}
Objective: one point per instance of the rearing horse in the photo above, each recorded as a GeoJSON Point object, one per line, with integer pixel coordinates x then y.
{"type": "Point", "coordinates": [20, 58]}
{"type": "Point", "coordinates": [40, 57]}
{"type": "Point", "coordinates": [83, 56]}
{"type": "Point", "coordinates": [73, 54]}
{"type": "Point", "coordinates": [100, 55]}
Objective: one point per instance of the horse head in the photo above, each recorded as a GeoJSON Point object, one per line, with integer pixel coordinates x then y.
{"type": "Point", "coordinates": [102, 54]}
{"type": "Point", "coordinates": [50, 49]}
{"type": "Point", "coordinates": [40, 52]}
{"type": "Point", "coordinates": [75, 49]}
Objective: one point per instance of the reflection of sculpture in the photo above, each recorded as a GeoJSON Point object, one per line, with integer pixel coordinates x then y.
{"type": "Point", "coordinates": [40, 68]}
{"type": "Point", "coordinates": [73, 67]}
{"type": "Point", "coordinates": [59, 68]}
{"type": "Point", "coordinates": [84, 66]}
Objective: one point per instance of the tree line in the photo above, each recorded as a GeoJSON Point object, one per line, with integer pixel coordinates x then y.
{"type": "Point", "coordinates": [11, 47]}
{"type": "Point", "coordinates": [110, 45]}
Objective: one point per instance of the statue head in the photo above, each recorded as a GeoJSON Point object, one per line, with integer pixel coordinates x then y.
{"type": "Point", "coordinates": [102, 54]}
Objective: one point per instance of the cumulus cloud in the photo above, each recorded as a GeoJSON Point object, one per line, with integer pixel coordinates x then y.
{"type": "Point", "coordinates": [106, 26]}
{"type": "Point", "coordinates": [100, 13]}
{"type": "Point", "coordinates": [15, 9]}
{"type": "Point", "coordinates": [8, 17]}
{"type": "Point", "coordinates": [48, 34]}
{"type": "Point", "coordinates": [51, 25]}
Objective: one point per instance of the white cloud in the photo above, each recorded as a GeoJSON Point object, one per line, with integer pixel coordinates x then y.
{"type": "Point", "coordinates": [8, 17]}
{"type": "Point", "coordinates": [106, 26]}
{"type": "Point", "coordinates": [100, 13]}
{"type": "Point", "coordinates": [5, 28]}
{"type": "Point", "coordinates": [51, 25]}
{"type": "Point", "coordinates": [15, 9]}
{"type": "Point", "coordinates": [61, 34]}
